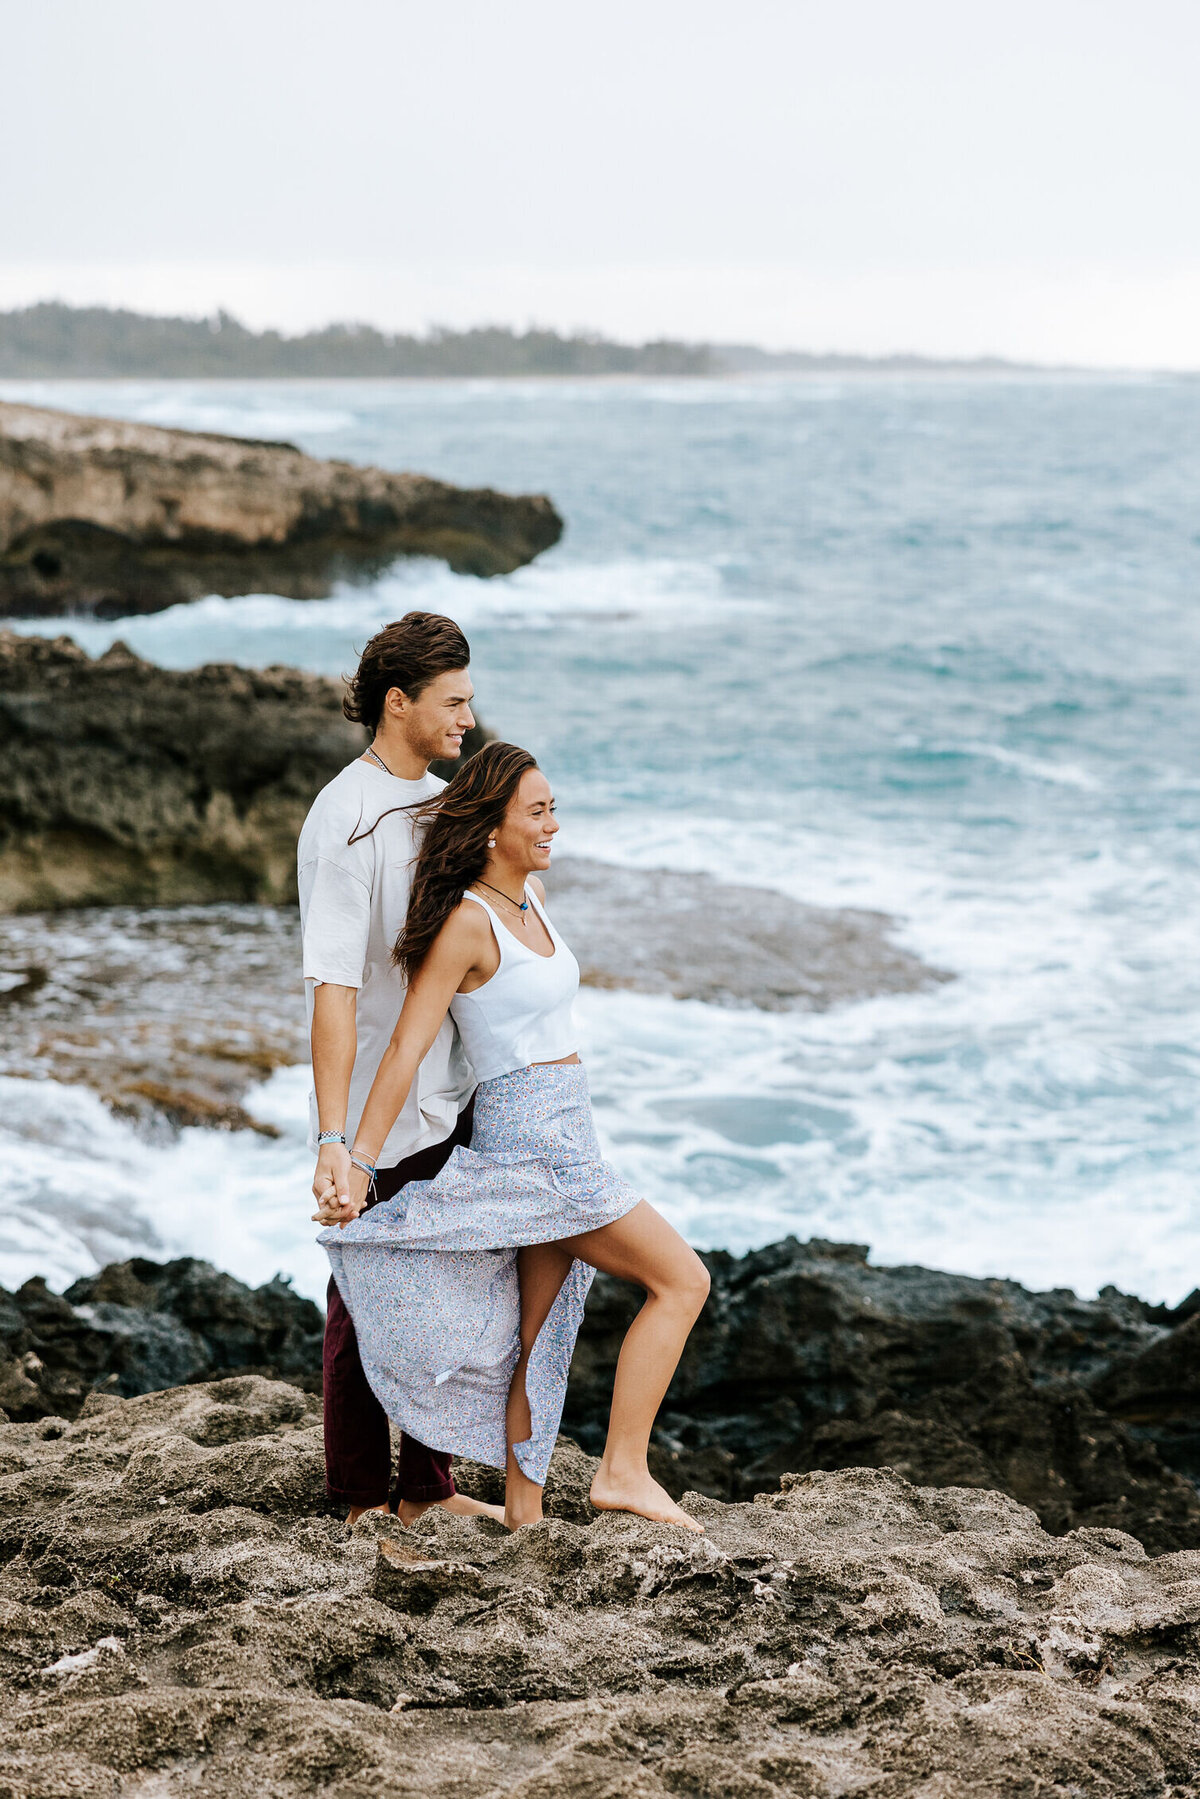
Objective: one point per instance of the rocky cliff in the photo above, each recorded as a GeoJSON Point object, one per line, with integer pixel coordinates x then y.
{"type": "Point", "coordinates": [182, 1614]}
{"type": "Point", "coordinates": [107, 517]}
{"type": "Point", "coordinates": [122, 782]}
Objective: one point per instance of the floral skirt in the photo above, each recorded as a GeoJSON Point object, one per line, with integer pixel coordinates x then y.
{"type": "Point", "coordinates": [430, 1277]}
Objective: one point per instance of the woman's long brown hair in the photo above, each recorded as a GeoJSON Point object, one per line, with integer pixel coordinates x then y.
{"type": "Point", "coordinates": [454, 848]}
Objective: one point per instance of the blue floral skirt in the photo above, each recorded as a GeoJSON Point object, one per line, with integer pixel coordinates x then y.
{"type": "Point", "coordinates": [430, 1277]}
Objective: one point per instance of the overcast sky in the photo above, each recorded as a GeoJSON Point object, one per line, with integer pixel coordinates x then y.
{"type": "Point", "coordinates": [950, 176]}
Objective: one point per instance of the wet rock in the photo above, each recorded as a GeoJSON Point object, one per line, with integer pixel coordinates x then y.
{"type": "Point", "coordinates": [147, 1006]}
{"type": "Point", "coordinates": [109, 517]}
{"type": "Point", "coordinates": [180, 1617]}
{"type": "Point", "coordinates": [140, 1326]}
{"type": "Point", "coordinates": [808, 1357]}
{"type": "Point", "coordinates": [1157, 1394]}
{"type": "Point", "coordinates": [698, 938]}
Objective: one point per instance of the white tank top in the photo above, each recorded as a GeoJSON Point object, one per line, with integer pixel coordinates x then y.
{"type": "Point", "coordinates": [523, 1013]}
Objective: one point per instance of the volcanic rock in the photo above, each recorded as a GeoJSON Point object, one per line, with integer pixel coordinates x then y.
{"type": "Point", "coordinates": [139, 1326]}
{"type": "Point", "coordinates": [804, 1355]}
{"type": "Point", "coordinates": [106, 517]}
{"type": "Point", "coordinates": [182, 1614]}
{"type": "Point", "coordinates": [125, 783]}
{"type": "Point", "coordinates": [1157, 1395]}
{"type": "Point", "coordinates": [807, 1357]}
{"type": "Point", "coordinates": [697, 938]}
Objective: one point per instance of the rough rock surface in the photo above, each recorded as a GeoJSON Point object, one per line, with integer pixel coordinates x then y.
{"type": "Point", "coordinates": [808, 1357]}
{"type": "Point", "coordinates": [697, 938]}
{"type": "Point", "coordinates": [183, 1615]}
{"type": "Point", "coordinates": [147, 1006]}
{"type": "Point", "coordinates": [138, 1326]}
{"type": "Point", "coordinates": [125, 783]}
{"type": "Point", "coordinates": [107, 517]}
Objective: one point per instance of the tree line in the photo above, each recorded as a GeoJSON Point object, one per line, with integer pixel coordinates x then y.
{"type": "Point", "coordinates": [53, 339]}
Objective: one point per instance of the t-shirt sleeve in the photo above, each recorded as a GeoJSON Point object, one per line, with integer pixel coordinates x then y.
{"type": "Point", "coordinates": [335, 923]}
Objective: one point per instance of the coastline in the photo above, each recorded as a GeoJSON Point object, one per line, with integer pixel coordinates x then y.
{"type": "Point", "coordinates": [876, 1606]}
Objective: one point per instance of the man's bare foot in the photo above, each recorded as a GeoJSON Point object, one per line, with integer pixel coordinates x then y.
{"type": "Point", "coordinates": [409, 1510]}
{"type": "Point", "coordinates": [642, 1495]}
{"type": "Point", "coordinates": [464, 1507]}
{"type": "Point", "coordinates": [360, 1511]}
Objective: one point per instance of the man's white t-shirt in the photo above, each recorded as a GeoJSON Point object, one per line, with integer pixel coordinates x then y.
{"type": "Point", "coordinates": [353, 901]}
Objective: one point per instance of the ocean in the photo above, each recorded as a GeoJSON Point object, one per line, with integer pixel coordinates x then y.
{"type": "Point", "coordinates": [923, 645]}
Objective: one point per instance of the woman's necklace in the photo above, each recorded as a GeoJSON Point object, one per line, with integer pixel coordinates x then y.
{"type": "Point", "coordinates": [521, 906]}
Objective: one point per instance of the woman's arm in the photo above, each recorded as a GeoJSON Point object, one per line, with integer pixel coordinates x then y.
{"type": "Point", "coordinates": [457, 948]}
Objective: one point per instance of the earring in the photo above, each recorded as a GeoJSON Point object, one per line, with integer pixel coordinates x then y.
{"type": "Point", "coordinates": [491, 843]}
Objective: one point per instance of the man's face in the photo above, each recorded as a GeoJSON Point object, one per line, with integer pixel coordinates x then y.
{"type": "Point", "coordinates": [435, 722]}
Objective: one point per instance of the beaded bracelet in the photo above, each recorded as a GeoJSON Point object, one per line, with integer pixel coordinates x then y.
{"type": "Point", "coordinates": [331, 1137]}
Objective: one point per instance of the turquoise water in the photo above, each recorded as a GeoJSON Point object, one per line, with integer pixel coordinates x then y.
{"type": "Point", "coordinates": [925, 646]}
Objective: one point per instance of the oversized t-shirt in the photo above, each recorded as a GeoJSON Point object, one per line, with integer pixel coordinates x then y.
{"type": "Point", "coordinates": [353, 901]}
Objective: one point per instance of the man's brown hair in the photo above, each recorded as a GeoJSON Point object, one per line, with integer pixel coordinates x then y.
{"type": "Point", "coordinates": [408, 654]}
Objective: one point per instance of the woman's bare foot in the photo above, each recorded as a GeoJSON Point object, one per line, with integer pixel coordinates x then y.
{"type": "Point", "coordinates": [641, 1494]}
{"type": "Point", "coordinates": [522, 1496]}
{"type": "Point", "coordinates": [517, 1514]}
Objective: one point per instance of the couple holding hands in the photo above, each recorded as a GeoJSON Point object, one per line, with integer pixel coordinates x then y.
{"type": "Point", "coordinates": [465, 1201]}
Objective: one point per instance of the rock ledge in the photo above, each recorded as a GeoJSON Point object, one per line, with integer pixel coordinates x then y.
{"type": "Point", "coordinates": [182, 1613]}
{"type": "Point", "coordinates": [108, 517]}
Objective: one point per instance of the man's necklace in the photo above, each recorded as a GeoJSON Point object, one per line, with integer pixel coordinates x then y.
{"type": "Point", "coordinates": [375, 757]}
{"type": "Point", "coordinates": [521, 906]}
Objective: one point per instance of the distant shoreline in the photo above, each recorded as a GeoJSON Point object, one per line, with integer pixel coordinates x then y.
{"type": "Point", "coordinates": [955, 371]}
{"type": "Point", "coordinates": [55, 342]}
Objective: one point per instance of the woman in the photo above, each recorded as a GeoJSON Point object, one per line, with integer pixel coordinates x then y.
{"type": "Point", "coordinates": [480, 1368]}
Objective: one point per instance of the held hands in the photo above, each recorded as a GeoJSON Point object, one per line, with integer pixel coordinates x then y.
{"type": "Point", "coordinates": [339, 1188]}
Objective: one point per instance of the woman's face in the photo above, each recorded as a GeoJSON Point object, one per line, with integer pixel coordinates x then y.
{"type": "Point", "coordinates": [524, 838]}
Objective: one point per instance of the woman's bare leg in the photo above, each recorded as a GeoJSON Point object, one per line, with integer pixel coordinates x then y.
{"type": "Point", "coordinates": [642, 1247]}
{"type": "Point", "coordinates": [542, 1269]}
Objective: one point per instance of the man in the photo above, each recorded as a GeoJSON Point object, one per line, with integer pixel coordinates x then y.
{"type": "Point", "coordinates": [413, 692]}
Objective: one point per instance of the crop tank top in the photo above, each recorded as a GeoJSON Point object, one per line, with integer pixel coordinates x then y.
{"type": "Point", "coordinates": [523, 1013]}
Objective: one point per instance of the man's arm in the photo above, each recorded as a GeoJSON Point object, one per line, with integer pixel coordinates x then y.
{"type": "Point", "coordinates": [334, 1042]}
{"type": "Point", "coordinates": [335, 925]}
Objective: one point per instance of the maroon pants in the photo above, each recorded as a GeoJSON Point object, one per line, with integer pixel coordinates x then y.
{"type": "Point", "coordinates": [358, 1451]}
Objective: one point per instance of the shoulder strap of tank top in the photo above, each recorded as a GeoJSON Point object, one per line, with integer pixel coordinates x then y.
{"type": "Point", "coordinates": [498, 931]}
{"type": "Point", "coordinates": [538, 907]}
